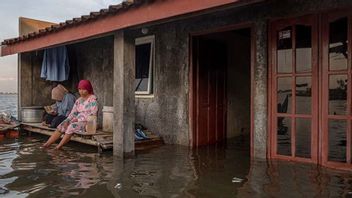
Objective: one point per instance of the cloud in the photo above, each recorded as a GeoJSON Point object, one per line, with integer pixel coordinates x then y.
{"type": "Point", "coordinates": [54, 11]}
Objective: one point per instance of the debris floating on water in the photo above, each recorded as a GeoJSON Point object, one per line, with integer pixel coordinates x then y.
{"type": "Point", "coordinates": [237, 180]}
{"type": "Point", "coordinates": [118, 186]}
{"type": "Point", "coordinates": [3, 190]}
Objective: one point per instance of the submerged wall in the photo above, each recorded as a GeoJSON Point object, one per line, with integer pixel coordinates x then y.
{"type": "Point", "coordinates": [167, 112]}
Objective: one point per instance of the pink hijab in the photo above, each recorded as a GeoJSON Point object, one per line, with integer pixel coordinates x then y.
{"type": "Point", "coordinates": [86, 85]}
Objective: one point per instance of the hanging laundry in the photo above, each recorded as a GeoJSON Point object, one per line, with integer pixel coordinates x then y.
{"type": "Point", "coordinates": [55, 66]}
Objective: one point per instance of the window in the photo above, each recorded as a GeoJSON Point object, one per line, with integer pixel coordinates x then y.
{"type": "Point", "coordinates": [144, 65]}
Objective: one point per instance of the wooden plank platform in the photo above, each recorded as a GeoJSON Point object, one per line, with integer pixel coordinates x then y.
{"type": "Point", "coordinates": [102, 140]}
{"type": "Point", "coordinates": [5, 127]}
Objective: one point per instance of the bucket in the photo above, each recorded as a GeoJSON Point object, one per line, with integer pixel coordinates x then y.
{"type": "Point", "coordinates": [108, 116]}
{"type": "Point", "coordinates": [32, 114]}
{"type": "Point", "coordinates": [91, 126]}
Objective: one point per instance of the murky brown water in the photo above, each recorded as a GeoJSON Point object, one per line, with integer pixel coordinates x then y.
{"type": "Point", "coordinates": [169, 171]}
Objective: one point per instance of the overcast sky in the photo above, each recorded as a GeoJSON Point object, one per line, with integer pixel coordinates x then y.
{"type": "Point", "coordinates": [47, 10]}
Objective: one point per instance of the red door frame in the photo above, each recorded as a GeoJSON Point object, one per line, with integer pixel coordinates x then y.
{"type": "Point", "coordinates": [274, 26]}
{"type": "Point", "coordinates": [326, 18]}
{"type": "Point", "coordinates": [191, 116]}
{"type": "Point", "coordinates": [322, 71]}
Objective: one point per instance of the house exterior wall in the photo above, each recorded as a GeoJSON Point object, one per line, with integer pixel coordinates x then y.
{"type": "Point", "coordinates": [93, 60]}
{"type": "Point", "coordinates": [168, 111]}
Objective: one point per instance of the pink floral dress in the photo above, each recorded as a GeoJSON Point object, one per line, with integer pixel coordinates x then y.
{"type": "Point", "coordinates": [78, 117]}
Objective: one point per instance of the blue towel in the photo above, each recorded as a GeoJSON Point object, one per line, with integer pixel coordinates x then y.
{"type": "Point", "coordinates": [55, 66]}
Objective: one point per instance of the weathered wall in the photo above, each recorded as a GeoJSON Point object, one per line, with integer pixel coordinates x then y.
{"type": "Point", "coordinates": [167, 111]}
{"type": "Point", "coordinates": [93, 60]}
{"type": "Point", "coordinates": [34, 91]}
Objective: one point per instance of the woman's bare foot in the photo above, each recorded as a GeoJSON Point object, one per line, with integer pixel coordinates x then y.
{"type": "Point", "coordinates": [46, 145]}
{"type": "Point", "coordinates": [58, 147]}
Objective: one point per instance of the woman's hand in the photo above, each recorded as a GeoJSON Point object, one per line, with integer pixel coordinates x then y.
{"type": "Point", "coordinates": [52, 113]}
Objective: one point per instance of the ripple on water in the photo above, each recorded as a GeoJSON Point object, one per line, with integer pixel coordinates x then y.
{"type": "Point", "coordinates": [169, 171]}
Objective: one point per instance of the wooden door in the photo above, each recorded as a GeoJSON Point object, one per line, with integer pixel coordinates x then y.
{"type": "Point", "coordinates": [209, 91]}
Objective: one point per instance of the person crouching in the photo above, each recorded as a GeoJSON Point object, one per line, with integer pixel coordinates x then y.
{"type": "Point", "coordinates": [76, 121]}
{"type": "Point", "coordinates": [58, 112]}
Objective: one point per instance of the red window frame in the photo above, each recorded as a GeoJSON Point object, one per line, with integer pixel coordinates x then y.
{"type": "Point", "coordinates": [311, 20]}
{"type": "Point", "coordinates": [327, 18]}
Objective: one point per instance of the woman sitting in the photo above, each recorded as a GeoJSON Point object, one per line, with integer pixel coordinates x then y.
{"type": "Point", "coordinates": [58, 112]}
{"type": "Point", "coordinates": [76, 122]}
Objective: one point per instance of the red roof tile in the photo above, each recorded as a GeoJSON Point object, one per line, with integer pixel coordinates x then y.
{"type": "Point", "coordinates": [112, 9]}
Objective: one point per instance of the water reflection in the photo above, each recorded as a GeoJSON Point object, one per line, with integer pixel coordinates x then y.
{"type": "Point", "coordinates": [169, 171]}
{"type": "Point", "coordinates": [303, 48]}
{"type": "Point", "coordinates": [288, 179]}
{"type": "Point", "coordinates": [284, 50]}
{"type": "Point", "coordinates": [338, 94]}
{"type": "Point", "coordinates": [338, 44]}
{"type": "Point", "coordinates": [8, 104]}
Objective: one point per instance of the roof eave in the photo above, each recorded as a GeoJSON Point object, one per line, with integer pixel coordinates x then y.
{"type": "Point", "coordinates": [132, 16]}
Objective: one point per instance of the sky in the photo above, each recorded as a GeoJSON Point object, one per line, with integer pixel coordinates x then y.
{"type": "Point", "coordinates": [48, 10]}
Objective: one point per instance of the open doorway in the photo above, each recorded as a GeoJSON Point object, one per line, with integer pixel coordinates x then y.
{"type": "Point", "coordinates": [221, 86]}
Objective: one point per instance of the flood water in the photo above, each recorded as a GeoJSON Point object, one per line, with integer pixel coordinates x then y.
{"type": "Point", "coordinates": [169, 171]}
{"type": "Point", "coordinates": [26, 170]}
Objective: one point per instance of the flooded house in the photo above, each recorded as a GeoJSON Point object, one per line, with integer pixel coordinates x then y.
{"type": "Point", "coordinates": [200, 72]}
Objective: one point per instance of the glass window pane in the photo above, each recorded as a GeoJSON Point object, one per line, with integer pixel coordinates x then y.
{"type": "Point", "coordinates": [143, 54]}
{"type": "Point", "coordinates": [284, 95]}
{"type": "Point", "coordinates": [303, 95]}
{"type": "Point", "coordinates": [303, 137]}
{"type": "Point", "coordinates": [284, 50]}
{"type": "Point", "coordinates": [337, 140]}
{"type": "Point", "coordinates": [284, 136]}
{"type": "Point", "coordinates": [337, 94]}
{"type": "Point", "coordinates": [303, 48]}
{"type": "Point", "coordinates": [338, 42]}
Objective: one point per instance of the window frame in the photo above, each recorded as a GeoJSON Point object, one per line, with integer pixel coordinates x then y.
{"type": "Point", "coordinates": [140, 41]}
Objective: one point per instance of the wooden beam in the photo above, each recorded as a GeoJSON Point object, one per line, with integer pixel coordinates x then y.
{"type": "Point", "coordinates": [123, 96]}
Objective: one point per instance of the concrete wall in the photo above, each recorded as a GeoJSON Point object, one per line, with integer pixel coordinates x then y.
{"type": "Point", "coordinates": [93, 60]}
{"type": "Point", "coordinates": [167, 111]}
